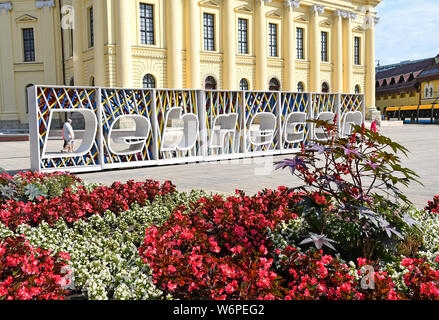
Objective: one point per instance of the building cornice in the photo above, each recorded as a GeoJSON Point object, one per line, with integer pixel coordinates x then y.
{"type": "Point", "coordinates": [41, 4]}
{"type": "Point", "coordinates": [246, 60]}
{"type": "Point", "coordinates": [211, 57]}
{"type": "Point", "coordinates": [149, 53]}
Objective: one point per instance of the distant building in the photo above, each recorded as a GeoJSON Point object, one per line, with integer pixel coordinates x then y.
{"type": "Point", "coordinates": [407, 84]}
{"type": "Point", "coordinates": [289, 45]}
{"type": "Point", "coordinates": [429, 79]}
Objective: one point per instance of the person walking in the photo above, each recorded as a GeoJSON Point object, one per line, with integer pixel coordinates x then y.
{"type": "Point", "coordinates": [68, 136]}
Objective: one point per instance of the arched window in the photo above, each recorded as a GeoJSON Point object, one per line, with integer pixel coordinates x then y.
{"type": "Point", "coordinates": [92, 81]}
{"type": "Point", "coordinates": [357, 89]}
{"type": "Point", "coordinates": [426, 91]}
{"type": "Point", "coordinates": [431, 91]}
{"type": "Point", "coordinates": [300, 87]}
{"type": "Point", "coordinates": [243, 85]}
{"type": "Point", "coordinates": [274, 85]}
{"type": "Point", "coordinates": [72, 82]}
{"type": "Point", "coordinates": [384, 83]}
{"type": "Point", "coordinates": [377, 84]}
{"type": "Point", "coordinates": [325, 87]}
{"type": "Point", "coordinates": [148, 81]}
{"type": "Point", "coordinates": [393, 81]}
{"type": "Point", "coordinates": [210, 83]}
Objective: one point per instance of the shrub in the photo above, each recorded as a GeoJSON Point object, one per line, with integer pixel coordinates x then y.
{"type": "Point", "coordinates": [28, 186]}
{"type": "Point", "coordinates": [28, 273]}
{"type": "Point", "coordinates": [354, 178]}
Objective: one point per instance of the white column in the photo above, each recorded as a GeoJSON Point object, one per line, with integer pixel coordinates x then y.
{"type": "Point", "coordinates": [261, 47]}
{"type": "Point", "coordinates": [99, 17]}
{"type": "Point", "coordinates": [338, 53]}
{"type": "Point", "coordinates": [194, 46]}
{"type": "Point", "coordinates": [124, 57]}
{"type": "Point", "coordinates": [370, 97]}
{"type": "Point", "coordinates": [348, 58]}
{"type": "Point", "coordinates": [229, 38]}
{"type": "Point", "coordinates": [48, 28]}
{"type": "Point", "coordinates": [315, 48]}
{"type": "Point", "coordinates": [290, 45]}
{"type": "Point", "coordinates": [8, 107]}
{"type": "Point", "coordinates": [78, 43]}
{"type": "Point", "coordinates": [174, 43]}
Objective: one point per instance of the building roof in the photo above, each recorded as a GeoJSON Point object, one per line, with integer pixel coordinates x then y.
{"type": "Point", "coordinates": [404, 75]}
{"type": "Point", "coordinates": [432, 70]}
{"type": "Point", "coordinates": [404, 68]}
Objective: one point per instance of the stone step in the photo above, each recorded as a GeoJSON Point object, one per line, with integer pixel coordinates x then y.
{"type": "Point", "coordinates": [387, 123]}
{"type": "Point", "coordinates": [13, 137]}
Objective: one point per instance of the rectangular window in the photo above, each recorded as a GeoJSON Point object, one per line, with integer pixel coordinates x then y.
{"type": "Point", "coordinates": [243, 36]}
{"type": "Point", "coordinates": [299, 44]}
{"type": "Point", "coordinates": [324, 49]}
{"type": "Point", "coordinates": [272, 39]}
{"type": "Point", "coordinates": [91, 40]}
{"type": "Point", "coordinates": [29, 44]}
{"type": "Point", "coordinates": [357, 51]}
{"type": "Point", "coordinates": [209, 32]}
{"type": "Point", "coordinates": [147, 23]}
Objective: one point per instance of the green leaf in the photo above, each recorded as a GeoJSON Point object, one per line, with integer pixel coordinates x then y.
{"type": "Point", "coordinates": [32, 192]}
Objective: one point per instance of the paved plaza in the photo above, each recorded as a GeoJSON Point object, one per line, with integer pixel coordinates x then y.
{"type": "Point", "coordinates": [255, 174]}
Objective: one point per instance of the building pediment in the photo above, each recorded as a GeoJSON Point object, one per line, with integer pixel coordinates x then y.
{"type": "Point", "coordinates": [209, 3]}
{"type": "Point", "coordinates": [26, 18]}
{"type": "Point", "coordinates": [359, 29]}
{"type": "Point", "coordinates": [302, 18]}
{"type": "Point", "coordinates": [325, 23]}
{"type": "Point", "coordinates": [243, 9]}
{"type": "Point", "coordinates": [274, 14]}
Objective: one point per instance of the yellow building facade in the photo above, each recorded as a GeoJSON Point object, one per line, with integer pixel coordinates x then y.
{"type": "Point", "coordinates": [408, 84]}
{"type": "Point", "coordinates": [430, 91]}
{"type": "Point", "coordinates": [290, 45]}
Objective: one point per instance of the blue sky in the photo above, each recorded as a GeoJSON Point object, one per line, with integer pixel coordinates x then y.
{"type": "Point", "coordinates": [407, 30]}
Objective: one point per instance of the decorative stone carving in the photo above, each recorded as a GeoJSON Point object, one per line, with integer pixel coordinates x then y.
{"type": "Point", "coordinates": [317, 9]}
{"type": "Point", "coordinates": [7, 6]}
{"type": "Point", "coordinates": [265, 1]}
{"type": "Point", "coordinates": [292, 4]}
{"type": "Point", "coordinates": [346, 14]}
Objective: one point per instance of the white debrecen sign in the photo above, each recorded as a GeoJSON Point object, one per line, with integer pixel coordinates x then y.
{"type": "Point", "coordinates": [139, 127]}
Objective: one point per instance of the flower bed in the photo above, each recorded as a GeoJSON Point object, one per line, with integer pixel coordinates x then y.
{"type": "Point", "coordinates": [80, 203]}
{"type": "Point", "coordinates": [224, 249]}
{"type": "Point", "coordinates": [143, 240]}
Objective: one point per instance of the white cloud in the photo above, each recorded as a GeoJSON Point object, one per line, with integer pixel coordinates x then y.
{"type": "Point", "coordinates": [407, 30]}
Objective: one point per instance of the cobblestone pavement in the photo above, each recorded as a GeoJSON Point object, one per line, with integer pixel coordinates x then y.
{"type": "Point", "coordinates": [255, 174]}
